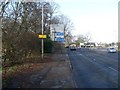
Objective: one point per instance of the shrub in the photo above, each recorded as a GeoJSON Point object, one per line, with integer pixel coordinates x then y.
{"type": "Point", "coordinates": [48, 45]}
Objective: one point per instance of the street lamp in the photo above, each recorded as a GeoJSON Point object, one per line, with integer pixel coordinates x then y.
{"type": "Point", "coordinates": [43, 27]}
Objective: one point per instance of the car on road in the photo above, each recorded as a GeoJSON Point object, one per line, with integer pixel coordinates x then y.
{"type": "Point", "coordinates": [66, 46]}
{"type": "Point", "coordinates": [72, 48]}
{"type": "Point", "coordinates": [112, 50]}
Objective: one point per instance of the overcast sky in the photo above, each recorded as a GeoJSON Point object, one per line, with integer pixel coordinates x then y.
{"type": "Point", "coordinates": [99, 18]}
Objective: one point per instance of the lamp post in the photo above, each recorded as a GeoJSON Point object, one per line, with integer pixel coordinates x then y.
{"type": "Point", "coordinates": [42, 44]}
{"type": "Point", "coordinates": [42, 33]}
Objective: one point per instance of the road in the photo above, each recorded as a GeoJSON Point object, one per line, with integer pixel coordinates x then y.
{"type": "Point", "coordinates": [94, 68]}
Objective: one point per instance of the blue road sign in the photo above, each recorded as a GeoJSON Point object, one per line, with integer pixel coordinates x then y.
{"type": "Point", "coordinates": [59, 39]}
{"type": "Point", "coordinates": [59, 34]}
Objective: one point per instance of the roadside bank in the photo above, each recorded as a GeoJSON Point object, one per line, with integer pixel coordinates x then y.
{"type": "Point", "coordinates": [53, 73]}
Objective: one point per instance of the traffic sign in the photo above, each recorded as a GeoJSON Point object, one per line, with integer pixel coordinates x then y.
{"type": "Point", "coordinates": [42, 36]}
{"type": "Point", "coordinates": [59, 34]}
{"type": "Point", "coordinates": [60, 39]}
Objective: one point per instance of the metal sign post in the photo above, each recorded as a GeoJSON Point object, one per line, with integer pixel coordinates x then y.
{"type": "Point", "coordinates": [42, 44]}
{"type": "Point", "coordinates": [42, 34]}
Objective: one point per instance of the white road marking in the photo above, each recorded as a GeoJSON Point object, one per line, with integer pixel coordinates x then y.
{"type": "Point", "coordinates": [80, 54]}
{"type": "Point", "coordinates": [92, 61]}
{"type": "Point", "coordinates": [66, 54]}
{"type": "Point", "coordinates": [113, 69]}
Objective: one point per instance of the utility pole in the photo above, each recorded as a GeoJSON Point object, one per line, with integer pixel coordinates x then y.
{"type": "Point", "coordinates": [42, 33]}
{"type": "Point", "coordinates": [42, 44]}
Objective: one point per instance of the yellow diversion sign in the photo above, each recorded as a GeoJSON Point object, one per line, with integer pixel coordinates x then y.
{"type": "Point", "coordinates": [42, 36]}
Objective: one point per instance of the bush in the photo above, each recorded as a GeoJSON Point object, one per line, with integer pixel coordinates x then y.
{"type": "Point", "coordinates": [48, 45]}
{"type": "Point", "coordinates": [18, 46]}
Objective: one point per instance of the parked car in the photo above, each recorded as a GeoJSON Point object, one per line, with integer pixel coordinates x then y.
{"type": "Point", "coordinates": [72, 48]}
{"type": "Point", "coordinates": [112, 50]}
{"type": "Point", "coordinates": [66, 46]}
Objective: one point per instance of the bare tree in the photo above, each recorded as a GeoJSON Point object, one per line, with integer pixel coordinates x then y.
{"type": "Point", "coordinates": [21, 24]}
{"type": "Point", "coordinates": [83, 38]}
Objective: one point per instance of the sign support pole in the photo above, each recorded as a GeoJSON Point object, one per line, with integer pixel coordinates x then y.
{"type": "Point", "coordinates": [42, 34]}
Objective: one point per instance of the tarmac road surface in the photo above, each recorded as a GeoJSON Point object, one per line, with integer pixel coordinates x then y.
{"type": "Point", "coordinates": [94, 68]}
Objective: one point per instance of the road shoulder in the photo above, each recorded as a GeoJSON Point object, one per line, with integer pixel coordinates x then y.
{"type": "Point", "coordinates": [53, 74]}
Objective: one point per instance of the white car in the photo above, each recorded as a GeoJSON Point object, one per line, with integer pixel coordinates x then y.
{"type": "Point", "coordinates": [112, 50]}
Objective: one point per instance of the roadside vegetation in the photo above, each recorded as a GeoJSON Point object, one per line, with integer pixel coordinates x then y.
{"type": "Point", "coordinates": [21, 25]}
